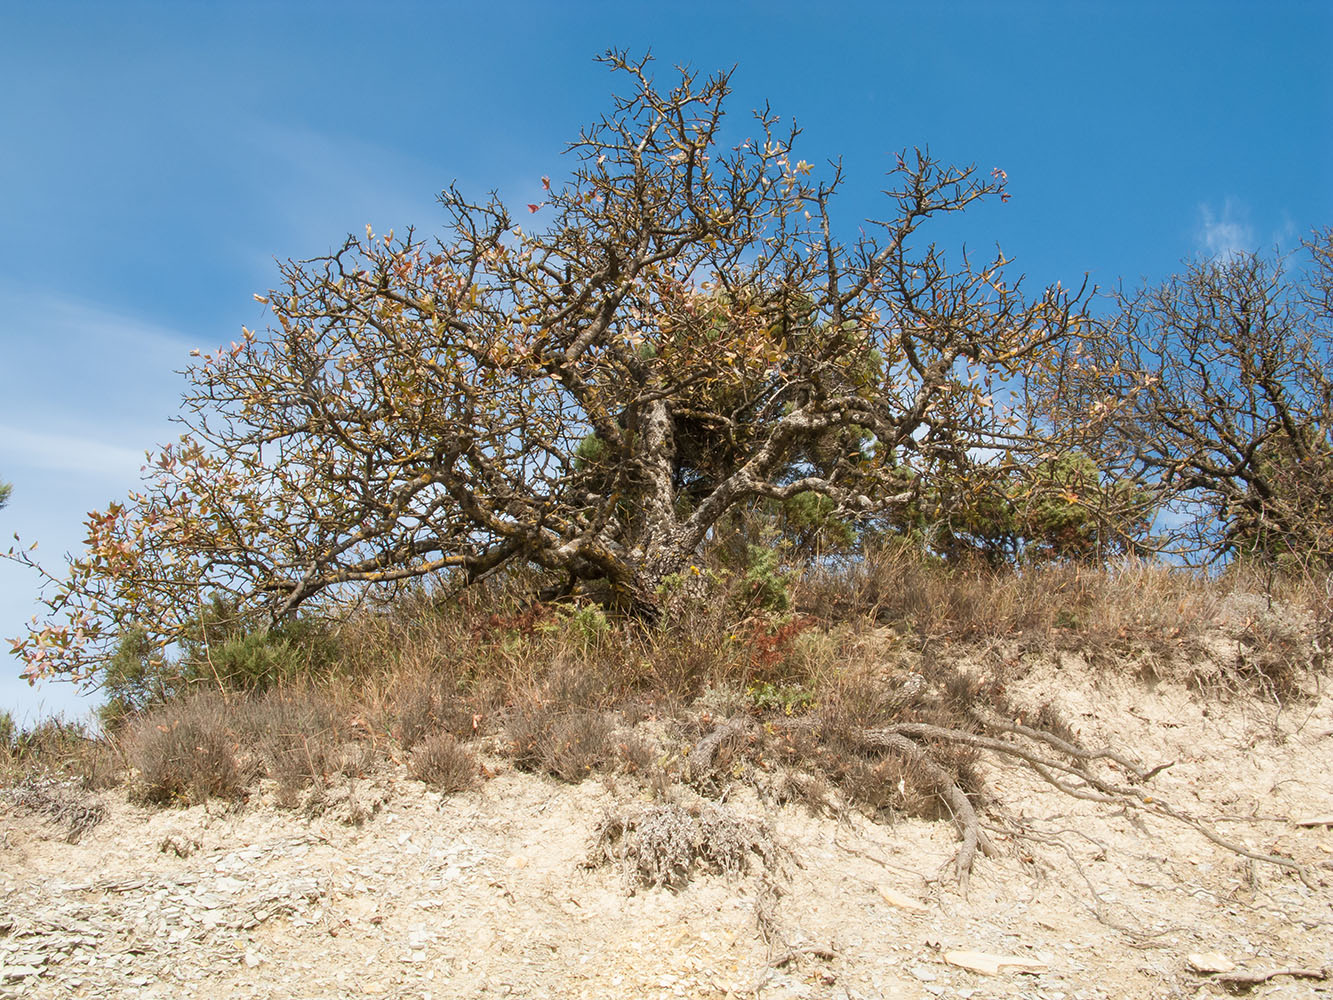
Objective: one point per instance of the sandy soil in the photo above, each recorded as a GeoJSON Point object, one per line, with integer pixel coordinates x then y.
{"type": "Point", "coordinates": [487, 893]}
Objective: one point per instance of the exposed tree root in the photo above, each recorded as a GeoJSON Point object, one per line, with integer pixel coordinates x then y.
{"type": "Point", "coordinates": [960, 806]}
{"type": "Point", "coordinates": [1064, 764]}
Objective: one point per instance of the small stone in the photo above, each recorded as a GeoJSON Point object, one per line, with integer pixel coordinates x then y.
{"type": "Point", "coordinates": [13, 973]}
{"type": "Point", "coordinates": [1210, 962]}
{"type": "Point", "coordinates": [989, 965]}
{"type": "Point", "coordinates": [901, 900]}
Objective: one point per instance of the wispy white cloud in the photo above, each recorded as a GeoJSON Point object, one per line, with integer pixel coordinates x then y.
{"type": "Point", "coordinates": [1226, 233]}
{"type": "Point", "coordinates": [86, 455]}
{"type": "Point", "coordinates": [68, 357]}
{"type": "Point", "coordinates": [37, 315]}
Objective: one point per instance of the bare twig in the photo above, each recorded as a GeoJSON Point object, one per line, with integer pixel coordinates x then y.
{"type": "Point", "coordinates": [1247, 979]}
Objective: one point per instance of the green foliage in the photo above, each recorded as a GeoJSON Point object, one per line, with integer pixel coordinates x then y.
{"type": "Point", "coordinates": [1054, 509]}
{"type": "Point", "coordinates": [52, 743]}
{"type": "Point", "coordinates": [588, 625]}
{"type": "Point", "coordinates": [765, 586]}
{"type": "Point", "coordinates": [136, 676]}
{"type": "Point", "coordinates": [224, 650]}
{"type": "Point", "coordinates": [812, 523]}
{"type": "Point", "coordinates": [787, 698]}
{"type": "Point", "coordinates": [5, 490]}
{"type": "Point", "coordinates": [237, 652]}
{"type": "Point", "coordinates": [1289, 523]}
{"type": "Point", "coordinates": [1069, 511]}
{"type": "Point", "coordinates": [589, 452]}
{"type": "Point", "coordinates": [254, 661]}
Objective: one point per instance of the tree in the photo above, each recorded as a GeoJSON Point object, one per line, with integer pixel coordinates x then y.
{"type": "Point", "coordinates": [1048, 509]}
{"type": "Point", "coordinates": [1217, 388]}
{"type": "Point", "coordinates": [5, 490]}
{"type": "Point", "coordinates": [684, 334]}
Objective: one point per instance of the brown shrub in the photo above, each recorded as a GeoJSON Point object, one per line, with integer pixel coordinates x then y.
{"type": "Point", "coordinates": [184, 752]}
{"type": "Point", "coordinates": [441, 763]}
{"type": "Point", "coordinates": [663, 845]}
{"type": "Point", "coordinates": [569, 744]}
{"type": "Point", "coordinates": [295, 736]}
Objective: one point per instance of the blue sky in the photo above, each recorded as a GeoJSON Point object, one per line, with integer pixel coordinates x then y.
{"type": "Point", "coordinates": [155, 158]}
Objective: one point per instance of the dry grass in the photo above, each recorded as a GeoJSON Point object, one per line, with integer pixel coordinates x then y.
{"type": "Point", "coordinates": [914, 593]}
{"type": "Point", "coordinates": [1158, 619]}
{"type": "Point", "coordinates": [65, 803]}
{"type": "Point", "coordinates": [664, 845]}
{"type": "Point", "coordinates": [441, 763]}
{"type": "Point", "coordinates": [56, 747]}
{"type": "Point", "coordinates": [184, 753]}
{"type": "Point", "coordinates": [893, 639]}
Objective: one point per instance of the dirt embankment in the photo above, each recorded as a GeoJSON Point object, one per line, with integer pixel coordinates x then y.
{"type": "Point", "coordinates": [398, 891]}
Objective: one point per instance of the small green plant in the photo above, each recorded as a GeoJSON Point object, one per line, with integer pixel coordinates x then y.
{"type": "Point", "coordinates": [789, 699]}
{"type": "Point", "coordinates": [765, 585]}
{"type": "Point", "coordinates": [588, 626]}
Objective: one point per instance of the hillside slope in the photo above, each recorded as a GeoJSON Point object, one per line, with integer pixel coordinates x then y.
{"type": "Point", "coordinates": [394, 890]}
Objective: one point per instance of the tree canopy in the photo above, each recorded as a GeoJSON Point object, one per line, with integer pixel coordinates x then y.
{"type": "Point", "coordinates": [587, 387]}
{"type": "Point", "coordinates": [1214, 389]}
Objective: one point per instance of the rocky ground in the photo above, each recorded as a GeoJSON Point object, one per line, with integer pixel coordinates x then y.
{"type": "Point", "coordinates": [397, 891]}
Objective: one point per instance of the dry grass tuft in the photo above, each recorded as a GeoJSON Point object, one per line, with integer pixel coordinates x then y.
{"type": "Point", "coordinates": [64, 803]}
{"type": "Point", "coordinates": [441, 763]}
{"type": "Point", "coordinates": [664, 845]}
{"type": "Point", "coordinates": [293, 736]}
{"type": "Point", "coordinates": [184, 753]}
{"type": "Point", "coordinates": [566, 743]}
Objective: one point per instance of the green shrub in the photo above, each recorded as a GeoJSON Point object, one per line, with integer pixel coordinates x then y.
{"type": "Point", "coordinates": [588, 626]}
{"type": "Point", "coordinates": [226, 651]}
{"type": "Point", "coordinates": [810, 521]}
{"type": "Point", "coordinates": [136, 676]}
{"type": "Point", "coordinates": [765, 585]}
